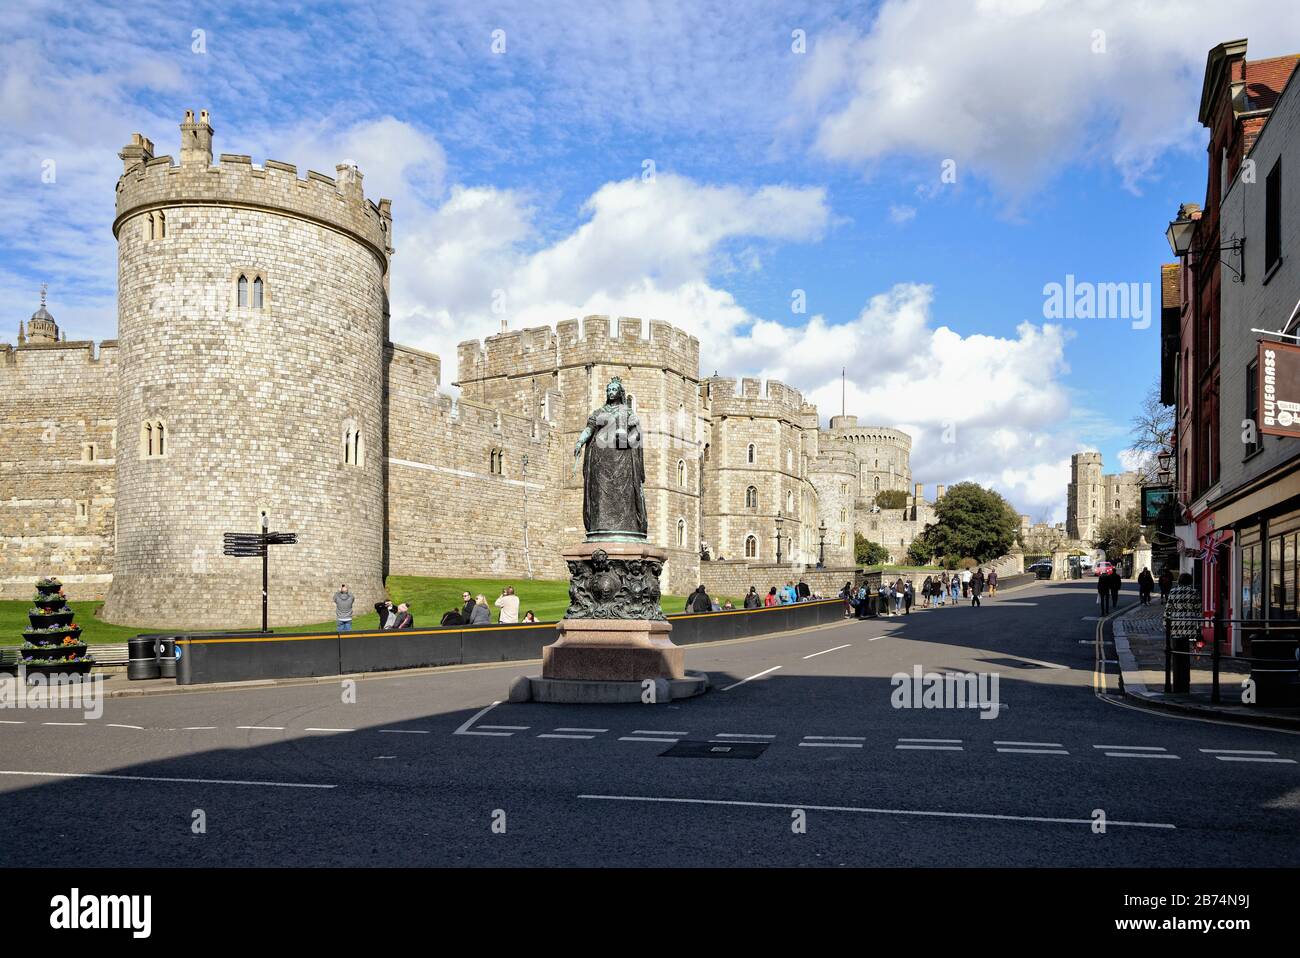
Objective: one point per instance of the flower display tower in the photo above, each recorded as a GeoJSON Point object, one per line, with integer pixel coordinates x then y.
{"type": "Point", "coordinates": [52, 643]}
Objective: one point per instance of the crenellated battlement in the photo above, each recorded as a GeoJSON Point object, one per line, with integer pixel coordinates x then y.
{"type": "Point", "coordinates": [21, 362]}
{"type": "Point", "coordinates": [844, 463]}
{"type": "Point", "coordinates": [149, 183]}
{"type": "Point", "coordinates": [868, 435]}
{"type": "Point", "coordinates": [593, 340]}
{"type": "Point", "coordinates": [753, 397]}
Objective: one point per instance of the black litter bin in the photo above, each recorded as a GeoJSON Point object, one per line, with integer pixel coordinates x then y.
{"type": "Point", "coordinates": [1274, 669]}
{"type": "Point", "coordinates": [1180, 666]}
{"type": "Point", "coordinates": [142, 658]}
{"type": "Point", "coordinates": [167, 657]}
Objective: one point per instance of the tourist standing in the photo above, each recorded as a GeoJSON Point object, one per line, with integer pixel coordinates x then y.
{"type": "Point", "coordinates": [343, 600]}
{"type": "Point", "coordinates": [926, 586]}
{"type": "Point", "coordinates": [908, 597]}
{"type": "Point", "coordinates": [771, 599]}
{"type": "Point", "coordinates": [941, 588]}
{"type": "Point", "coordinates": [898, 596]}
{"type": "Point", "coordinates": [1166, 583]}
{"type": "Point", "coordinates": [466, 607]}
{"type": "Point", "coordinates": [805, 593]}
{"type": "Point", "coordinates": [508, 603]}
{"type": "Point", "coordinates": [976, 587]}
{"type": "Point", "coordinates": [386, 613]}
{"type": "Point", "coordinates": [965, 582]}
{"type": "Point", "coordinates": [992, 582]}
{"type": "Point", "coordinates": [1103, 592]}
{"type": "Point", "coordinates": [1146, 583]}
{"type": "Point", "coordinates": [1116, 583]}
{"type": "Point", "coordinates": [699, 601]}
{"type": "Point", "coordinates": [752, 599]}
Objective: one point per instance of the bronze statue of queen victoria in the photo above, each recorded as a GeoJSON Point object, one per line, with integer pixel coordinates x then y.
{"type": "Point", "coordinates": [613, 471]}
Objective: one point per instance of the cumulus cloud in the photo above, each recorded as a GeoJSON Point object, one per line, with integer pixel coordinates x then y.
{"type": "Point", "coordinates": [1015, 90]}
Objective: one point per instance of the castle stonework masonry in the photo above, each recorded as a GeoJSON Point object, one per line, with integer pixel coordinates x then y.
{"type": "Point", "coordinates": [1092, 497]}
{"type": "Point", "coordinates": [254, 374]}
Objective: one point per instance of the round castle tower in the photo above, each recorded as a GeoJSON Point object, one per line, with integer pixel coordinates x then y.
{"type": "Point", "coordinates": [252, 322]}
{"type": "Point", "coordinates": [835, 477]}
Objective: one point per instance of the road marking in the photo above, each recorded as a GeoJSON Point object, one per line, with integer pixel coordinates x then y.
{"type": "Point", "coordinates": [138, 728]}
{"type": "Point", "coordinates": [157, 778]}
{"type": "Point", "coordinates": [1035, 751]}
{"type": "Point", "coordinates": [984, 816]}
{"type": "Point", "coordinates": [1135, 748]}
{"type": "Point", "coordinates": [824, 651]}
{"type": "Point", "coordinates": [12, 722]}
{"type": "Point", "coordinates": [1236, 751]}
{"type": "Point", "coordinates": [385, 756]}
{"type": "Point", "coordinates": [837, 738]}
{"type": "Point", "coordinates": [512, 728]}
{"type": "Point", "coordinates": [643, 731]}
{"type": "Point", "coordinates": [404, 731]}
{"type": "Point", "coordinates": [198, 728]}
{"type": "Point", "coordinates": [63, 723]}
{"type": "Point", "coordinates": [950, 740]}
{"type": "Point", "coordinates": [1139, 755]}
{"type": "Point", "coordinates": [329, 730]}
{"type": "Point", "coordinates": [830, 744]}
{"type": "Point", "coordinates": [1031, 744]}
{"type": "Point", "coordinates": [1247, 758]}
{"type": "Point", "coordinates": [933, 748]}
{"type": "Point", "coordinates": [751, 678]}
{"type": "Point", "coordinates": [465, 729]}
{"type": "Point", "coordinates": [261, 728]}
{"type": "Point", "coordinates": [740, 735]}
{"type": "Point", "coordinates": [877, 638]}
{"type": "Point", "coordinates": [548, 735]}
{"type": "Point", "coordinates": [597, 730]}
{"type": "Point", "coordinates": [631, 738]}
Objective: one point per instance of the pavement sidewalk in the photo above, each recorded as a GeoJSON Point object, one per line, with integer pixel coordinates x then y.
{"type": "Point", "coordinates": [1139, 634]}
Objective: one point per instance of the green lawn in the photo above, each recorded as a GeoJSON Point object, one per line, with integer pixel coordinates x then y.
{"type": "Point", "coordinates": [429, 598]}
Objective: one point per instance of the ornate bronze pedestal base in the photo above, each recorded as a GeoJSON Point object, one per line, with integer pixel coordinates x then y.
{"type": "Point", "coordinates": [614, 630]}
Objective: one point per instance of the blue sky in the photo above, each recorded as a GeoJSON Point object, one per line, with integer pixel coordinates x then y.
{"type": "Point", "coordinates": [1070, 126]}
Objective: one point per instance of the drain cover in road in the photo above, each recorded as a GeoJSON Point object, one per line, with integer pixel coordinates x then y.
{"type": "Point", "coordinates": [715, 750]}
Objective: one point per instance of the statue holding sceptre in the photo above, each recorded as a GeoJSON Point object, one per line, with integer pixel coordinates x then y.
{"type": "Point", "coordinates": [613, 470]}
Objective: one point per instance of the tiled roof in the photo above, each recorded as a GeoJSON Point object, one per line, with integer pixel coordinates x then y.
{"type": "Point", "coordinates": [1266, 78]}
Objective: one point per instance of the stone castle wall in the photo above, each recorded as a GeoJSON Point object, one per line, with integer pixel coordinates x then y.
{"type": "Point", "coordinates": [57, 467]}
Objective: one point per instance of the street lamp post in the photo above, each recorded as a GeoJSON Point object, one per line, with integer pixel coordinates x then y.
{"type": "Point", "coordinates": [821, 551]}
{"type": "Point", "coordinates": [779, 520]}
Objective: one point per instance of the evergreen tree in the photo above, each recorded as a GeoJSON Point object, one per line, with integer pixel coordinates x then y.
{"type": "Point", "coordinates": [973, 522]}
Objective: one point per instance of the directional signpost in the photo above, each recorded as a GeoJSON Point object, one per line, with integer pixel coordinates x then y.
{"type": "Point", "coordinates": [252, 544]}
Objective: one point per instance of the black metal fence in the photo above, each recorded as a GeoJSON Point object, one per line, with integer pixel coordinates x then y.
{"type": "Point", "coordinates": [1274, 660]}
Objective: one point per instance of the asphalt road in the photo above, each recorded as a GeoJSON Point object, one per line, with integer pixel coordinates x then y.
{"type": "Point", "coordinates": [798, 729]}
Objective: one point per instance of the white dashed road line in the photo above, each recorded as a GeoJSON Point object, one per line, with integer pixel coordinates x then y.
{"type": "Point", "coordinates": [329, 730]}
{"type": "Point", "coordinates": [404, 731]}
{"type": "Point", "coordinates": [1133, 748]}
{"type": "Point", "coordinates": [642, 738]}
{"type": "Point", "coordinates": [824, 651]}
{"type": "Point", "coordinates": [65, 724]}
{"type": "Point", "coordinates": [1249, 758]}
{"type": "Point", "coordinates": [741, 735]}
{"type": "Point", "coordinates": [1235, 751]}
{"type": "Point", "coordinates": [930, 748]}
{"type": "Point", "coordinates": [950, 741]}
{"type": "Point", "coordinates": [751, 678]}
{"type": "Point", "coordinates": [646, 731]}
{"type": "Point", "coordinates": [1031, 744]}
{"type": "Point", "coordinates": [1035, 751]}
{"type": "Point", "coordinates": [837, 738]}
{"type": "Point", "coordinates": [261, 728]}
{"type": "Point", "coordinates": [596, 730]}
{"type": "Point", "coordinates": [830, 744]}
{"type": "Point", "coordinates": [553, 735]}
{"type": "Point", "coordinates": [138, 728]}
{"type": "Point", "coordinates": [198, 728]}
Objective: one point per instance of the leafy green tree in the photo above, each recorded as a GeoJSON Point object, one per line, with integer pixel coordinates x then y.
{"type": "Point", "coordinates": [919, 553]}
{"type": "Point", "coordinates": [972, 522]}
{"type": "Point", "coordinates": [891, 499]}
{"type": "Point", "coordinates": [868, 552]}
{"type": "Point", "coordinates": [1115, 534]}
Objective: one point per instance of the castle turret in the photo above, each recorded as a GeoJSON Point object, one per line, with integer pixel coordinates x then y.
{"type": "Point", "coordinates": [41, 328]}
{"type": "Point", "coordinates": [251, 319]}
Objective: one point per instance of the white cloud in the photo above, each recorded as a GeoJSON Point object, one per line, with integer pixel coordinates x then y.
{"type": "Point", "coordinates": [900, 213]}
{"type": "Point", "coordinates": [1014, 90]}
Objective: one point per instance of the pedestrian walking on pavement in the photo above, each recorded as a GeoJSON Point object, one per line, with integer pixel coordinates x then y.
{"type": "Point", "coordinates": [992, 583]}
{"type": "Point", "coordinates": [1145, 584]}
{"type": "Point", "coordinates": [1103, 593]}
{"type": "Point", "coordinates": [976, 587]}
{"type": "Point", "coordinates": [908, 597]}
{"type": "Point", "coordinates": [1166, 583]}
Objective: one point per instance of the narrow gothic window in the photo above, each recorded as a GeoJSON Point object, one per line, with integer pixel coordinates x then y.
{"type": "Point", "coordinates": [751, 498]}
{"type": "Point", "coordinates": [160, 223]}
{"type": "Point", "coordinates": [751, 547]}
{"type": "Point", "coordinates": [257, 293]}
{"type": "Point", "coordinates": [681, 473]}
{"type": "Point", "coordinates": [161, 431]}
{"type": "Point", "coordinates": [358, 449]}
{"type": "Point", "coordinates": [681, 533]}
{"type": "Point", "coordinates": [243, 291]}
{"type": "Point", "coordinates": [750, 452]}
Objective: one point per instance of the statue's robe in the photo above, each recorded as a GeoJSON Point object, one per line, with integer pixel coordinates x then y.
{"type": "Point", "coordinates": [613, 472]}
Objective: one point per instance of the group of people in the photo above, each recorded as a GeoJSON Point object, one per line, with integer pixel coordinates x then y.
{"type": "Point", "coordinates": [898, 597]}
{"type": "Point", "coordinates": [791, 592]}
{"type": "Point", "coordinates": [1108, 586]}
{"type": "Point", "coordinates": [474, 610]}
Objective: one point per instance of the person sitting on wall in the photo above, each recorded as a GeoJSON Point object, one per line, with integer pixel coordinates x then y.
{"type": "Point", "coordinates": [452, 617]}
{"type": "Point", "coordinates": [529, 618]}
{"type": "Point", "coordinates": [771, 598]}
{"type": "Point", "coordinates": [727, 605]}
{"type": "Point", "coordinates": [466, 607]}
{"type": "Point", "coordinates": [752, 599]}
{"type": "Point", "coordinates": [480, 614]}
{"type": "Point", "coordinates": [404, 618]}
{"type": "Point", "coordinates": [387, 614]}
{"type": "Point", "coordinates": [805, 593]}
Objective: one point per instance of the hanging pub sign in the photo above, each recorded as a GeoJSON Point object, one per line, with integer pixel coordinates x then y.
{"type": "Point", "coordinates": [1155, 500]}
{"type": "Point", "coordinates": [1279, 389]}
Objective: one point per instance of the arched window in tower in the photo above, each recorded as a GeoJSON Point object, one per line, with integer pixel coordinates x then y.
{"type": "Point", "coordinates": [877, 482]}
{"type": "Point", "coordinates": [681, 533]}
{"type": "Point", "coordinates": [789, 460]}
{"type": "Point", "coordinates": [751, 497]}
{"type": "Point", "coordinates": [492, 462]}
{"type": "Point", "coordinates": [161, 437]}
{"type": "Point", "coordinates": [347, 446]}
{"type": "Point", "coordinates": [146, 440]}
{"type": "Point", "coordinates": [681, 473]}
{"type": "Point", "coordinates": [749, 453]}
{"type": "Point", "coordinates": [358, 449]}
{"type": "Point", "coordinates": [751, 547]}
{"type": "Point", "coordinates": [241, 288]}
{"type": "Point", "coordinates": [843, 515]}
{"type": "Point", "coordinates": [843, 540]}
{"type": "Point", "coordinates": [257, 293]}
{"type": "Point", "coordinates": [789, 503]}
